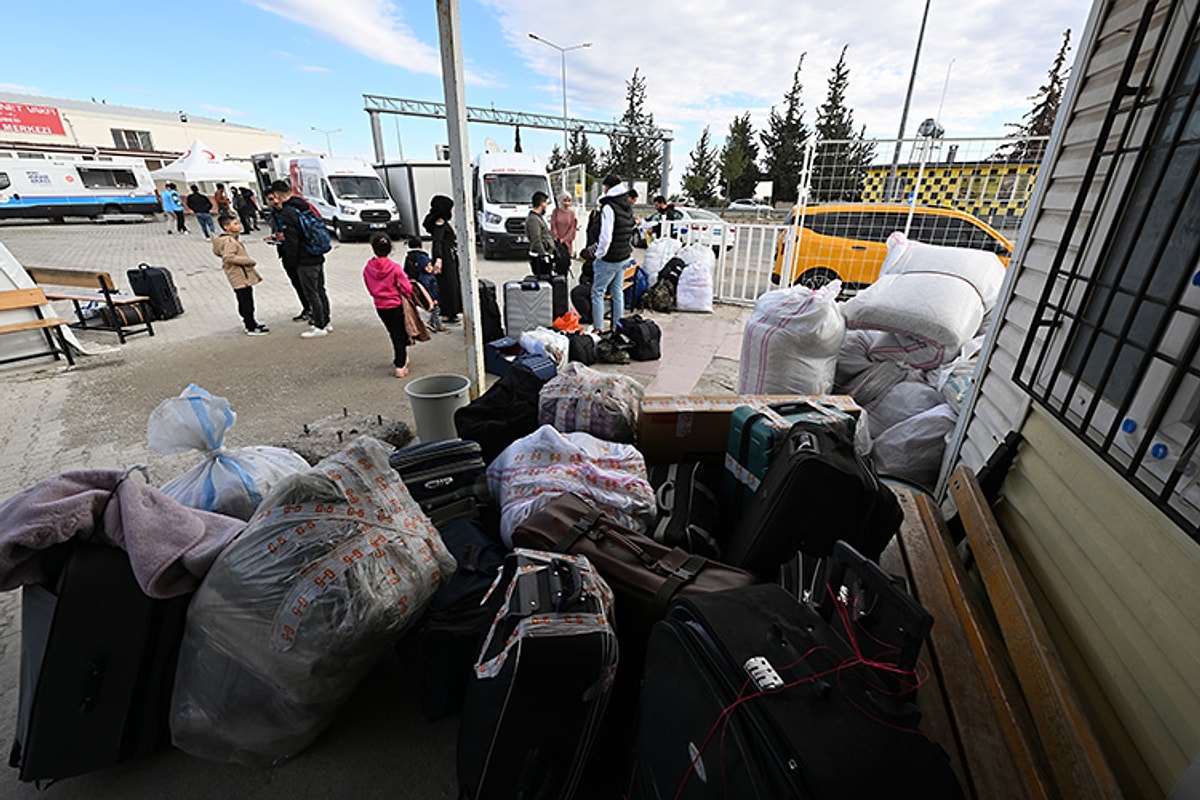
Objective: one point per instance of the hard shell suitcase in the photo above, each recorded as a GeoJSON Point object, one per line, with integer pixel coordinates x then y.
{"type": "Point", "coordinates": [97, 665]}
{"type": "Point", "coordinates": [439, 473]}
{"type": "Point", "coordinates": [542, 681]}
{"type": "Point", "coordinates": [558, 294]}
{"type": "Point", "coordinates": [817, 490]}
{"type": "Point", "coordinates": [157, 284]}
{"type": "Point", "coordinates": [528, 304]}
{"type": "Point", "coordinates": [749, 694]}
{"type": "Point", "coordinates": [753, 436]}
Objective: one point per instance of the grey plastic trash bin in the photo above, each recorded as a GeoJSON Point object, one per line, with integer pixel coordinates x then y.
{"type": "Point", "coordinates": [434, 399]}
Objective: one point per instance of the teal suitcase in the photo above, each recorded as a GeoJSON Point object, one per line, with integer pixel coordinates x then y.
{"type": "Point", "coordinates": [753, 434]}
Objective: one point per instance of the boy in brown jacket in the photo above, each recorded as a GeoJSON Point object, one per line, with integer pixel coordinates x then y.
{"type": "Point", "coordinates": [239, 268]}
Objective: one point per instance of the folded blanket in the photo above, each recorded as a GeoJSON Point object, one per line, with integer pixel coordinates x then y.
{"type": "Point", "coordinates": [170, 546]}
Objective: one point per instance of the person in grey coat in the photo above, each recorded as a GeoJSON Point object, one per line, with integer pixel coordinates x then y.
{"type": "Point", "coordinates": [541, 243]}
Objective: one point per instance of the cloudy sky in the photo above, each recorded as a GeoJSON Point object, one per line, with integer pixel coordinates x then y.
{"type": "Point", "coordinates": [292, 65]}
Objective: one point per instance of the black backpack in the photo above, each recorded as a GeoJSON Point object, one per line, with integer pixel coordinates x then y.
{"type": "Point", "coordinates": [646, 337]}
{"type": "Point", "coordinates": [672, 270]}
{"type": "Point", "coordinates": [582, 348]}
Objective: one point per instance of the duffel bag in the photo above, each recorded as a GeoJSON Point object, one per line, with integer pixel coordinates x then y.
{"type": "Point", "coordinates": [646, 337]}
{"type": "Point", "coordinates": [504, 413]}
{"type": "Point", "coordinates": [643, 574]}
{"type": "Point", "coordinates": [603, 404]}
{"type": "Point", "coordinates": [582, 348]}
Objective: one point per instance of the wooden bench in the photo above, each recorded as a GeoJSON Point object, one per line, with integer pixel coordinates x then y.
{"type": "Point", "coordinates": [123, 314]}
{"type": "Point", "coordinates": [998, 698]}
{"type": "Point", "coordinates": [51, 327]}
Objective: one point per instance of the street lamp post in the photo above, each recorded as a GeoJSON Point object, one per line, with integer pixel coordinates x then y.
{"type": "Point", "coordinates": [562, 51]}
{"type": "Point", "coordinates": [890, 184]}
{"type": "Point", "coordinates": [328, 146]}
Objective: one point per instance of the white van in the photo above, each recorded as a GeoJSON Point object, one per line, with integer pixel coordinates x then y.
{"type": "Point", "coordinates": [346, 192]}
{"type": "Point", "coordinates": [63, 186]}
{"type": "Point", "coordinates": [504, 184]}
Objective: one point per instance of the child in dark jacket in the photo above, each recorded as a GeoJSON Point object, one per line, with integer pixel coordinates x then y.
{"type": "Point", "coordinates": [419, 267]}
{"type": "Point", "coordinates": [388, 284]}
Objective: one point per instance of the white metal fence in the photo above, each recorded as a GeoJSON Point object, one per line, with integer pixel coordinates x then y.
{"type": "Point", "coordinates": [881, 181]}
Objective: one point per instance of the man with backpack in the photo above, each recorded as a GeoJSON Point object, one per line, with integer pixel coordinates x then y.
{"type": "Point", "coordinates": [303, 242]}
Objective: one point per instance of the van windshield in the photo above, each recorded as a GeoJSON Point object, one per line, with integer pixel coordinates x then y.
{"type": "Point", "coordinates": [358, 187]}
{"type": "Point", "coordinates": [519, 189]}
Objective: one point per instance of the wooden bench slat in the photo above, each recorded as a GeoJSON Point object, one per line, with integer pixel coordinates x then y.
{"type": "Point", "coordinates": [32, 325]}
{"type": "Point", "coordinates": [117, 299]}
{"type": "Point", "coordinates": [985, 701]}
{"type": "Point", "coordinates": [1078, 764]}
{"type": "Point", "coordinates": [100, 289]}
{"type": "Point", "coordinates": [72, 277]}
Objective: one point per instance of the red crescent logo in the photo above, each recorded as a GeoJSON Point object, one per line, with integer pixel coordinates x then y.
{"type": "Point", "coordinates": [211, 155]}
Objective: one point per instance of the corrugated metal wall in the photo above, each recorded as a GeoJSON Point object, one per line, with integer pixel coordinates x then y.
{"type": "Point", "coordinates": [1119, 580]}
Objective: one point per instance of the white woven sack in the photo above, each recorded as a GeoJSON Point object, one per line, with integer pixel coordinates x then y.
{"type": "Point", "coordinates": [658, 254]}
{"type": "Point", "coordinates": [791, 342]}
{"type": "Point", "coordinates": [539, 467]}
{"type": "Point", "coordinates": [937, 295]}
{"type": "Point", "coordinates": [913, 449]}
{"type": "Point", "coordinates": [695, 289]}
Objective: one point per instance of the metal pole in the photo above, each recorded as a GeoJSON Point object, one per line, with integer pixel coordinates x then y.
{"type": "Point", "coordinates": [377, 136]}
{"type": "Point", "coordinates": [912, 79]}
{"type": "Point", "coordinates": [563, 53]}
{"type": "Point", "coordinates": [664, 190]}
{"type": "Point", "coordinates": [464, 214]}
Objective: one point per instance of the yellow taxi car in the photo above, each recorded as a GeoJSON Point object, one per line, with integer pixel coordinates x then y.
{"type": "Point", "coordinates": [848, 242]}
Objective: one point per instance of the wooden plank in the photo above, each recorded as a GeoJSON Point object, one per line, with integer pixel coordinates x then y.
{"type": "Point", "coordinates": [71, 277]}
{"type": "Point", "coordinates": [116, 299]}
{"type": "Point", "coordinates": [21, 298]}
{"type": "Point", "coordinates": [1074, 754]}
{"type": "Point", "coordinates": [994, 733]}
{"type": "Point", "coordinates": [32, 325]}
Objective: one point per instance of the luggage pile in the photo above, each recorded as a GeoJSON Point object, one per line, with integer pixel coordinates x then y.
{"type": "Point", "coordinates": [905, 348]}
{"type": "Point", "coordinates": [617, 595]}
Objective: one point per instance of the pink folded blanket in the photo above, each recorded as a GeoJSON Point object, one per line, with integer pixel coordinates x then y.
{"type": "Point", "coordinates": [170, 546]}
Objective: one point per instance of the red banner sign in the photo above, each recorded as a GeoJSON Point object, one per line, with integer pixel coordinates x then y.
{"type": "Point", "coordinates": [20, 118]}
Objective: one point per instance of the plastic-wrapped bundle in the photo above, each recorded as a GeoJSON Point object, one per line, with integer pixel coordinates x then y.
{"type": "Point", "coordinates": [230, 482]}
{"type": "Point", "coordinates": [604, 404]}
{"type": "Point", "coordinates": [903, 401]}
{"type": "Point", "coordinates": [936, 295]}
{"type": "Point", "coordinates": [546, 342]}
{"type": "Point", "coordinates": [659, 253]}
{"type": "Point", "coordinates": [336, 563]}
{"type": "Point", "coordinates": [791, 342]}
{"type": "Point", "coordinates": [539, 467]}
{"type": "Point", "coordinates": [694, 291]}
{"type": "Point", "coordinates": [913, 449]}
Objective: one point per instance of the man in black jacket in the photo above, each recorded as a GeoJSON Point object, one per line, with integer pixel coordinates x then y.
{"type": "Point", "coordinates": [613, 251]}
{"type": "Point", "coordinates": [201, 206]}
{"type": "Point", "coordinates": [309, 269]}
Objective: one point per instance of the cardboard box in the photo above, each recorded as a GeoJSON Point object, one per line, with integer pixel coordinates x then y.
{"type": "Point", "coordinates": [678, 427]}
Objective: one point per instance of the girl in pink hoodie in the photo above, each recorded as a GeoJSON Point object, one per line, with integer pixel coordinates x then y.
{"type": "Point", "coordinates": [387, 283]}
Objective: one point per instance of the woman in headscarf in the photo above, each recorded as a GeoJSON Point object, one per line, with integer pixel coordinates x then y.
{"type": "Point", "coordinates": [444, 251]}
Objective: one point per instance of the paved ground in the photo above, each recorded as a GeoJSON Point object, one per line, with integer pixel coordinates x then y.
{"type": "Point", "coordinates": [95, 415]}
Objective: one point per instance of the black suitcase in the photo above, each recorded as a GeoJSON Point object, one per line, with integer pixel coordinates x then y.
{"type": "Point", "coordinates": [749, 694]}
{"type": "Point", "coordinates": [489, 312]}
{"type": "Point", "coordinates": [542, 681]}
{"type": "Point", "coordinates": [157, 284]}
{"type": "Point", "coordinates": [97, 665]}
{"type": "Point", "coordinates": [559, 294]}
{"type": "Point", "coordinates": [817, 490]}
{"type": "Point", "coordinates": [451, 630]}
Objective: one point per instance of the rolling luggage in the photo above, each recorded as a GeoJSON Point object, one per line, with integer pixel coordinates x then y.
{"type": "Point", "coordinates": [542, 681]}
{"type": "Point", "coordinates": [817, 490]}
{"type": "Point", "coordinates": [157, 284]}
{"type": "Point", "coordinates": [446, 477]}
{"type": "Point", "coordinates": [449, 635]}
{"type": "Point", "coordinates": [528, 303]}
{"type": "Point", "coordinates": [749, 694]}
{"type": "Point", "coordinates": [753, 436]}
{"type": "Point", "coordinates": [97, 666]}
{"type": "Point", "coordinates": [558, 294]}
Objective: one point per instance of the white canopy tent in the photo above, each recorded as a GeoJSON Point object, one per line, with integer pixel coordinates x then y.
{"type": "Point", "coordinates": [199, 164]}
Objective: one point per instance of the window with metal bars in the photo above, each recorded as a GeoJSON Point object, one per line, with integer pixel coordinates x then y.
{"type": "Point", "coordinates": [1113, 352]}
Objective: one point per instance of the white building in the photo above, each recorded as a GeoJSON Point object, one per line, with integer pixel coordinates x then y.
{"type": "Point", "coordinates": [45, 125]}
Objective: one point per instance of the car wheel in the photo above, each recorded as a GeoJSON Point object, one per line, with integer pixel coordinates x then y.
{"type": "Point", "coordinates": [489, 254]}
{"type": "Point", "coordinates": [816, 278]}
{"type": "Point", "coordinates": [339, 232]}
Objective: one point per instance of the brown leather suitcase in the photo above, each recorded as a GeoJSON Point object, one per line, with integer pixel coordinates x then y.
{"type": "Point", "coordinates": [643, 574]}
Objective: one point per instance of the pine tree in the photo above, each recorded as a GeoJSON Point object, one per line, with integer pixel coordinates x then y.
{"type": "Point", "coordinates": [784, 141]}
{"type": "Point", "coordinates": [842, 156]}
{"type": "Point", "coordinates": [579, 151]}
{"type": "Point", "coordinates": [517, 142]}
{"type": "Point", "coordinates": [700, 178]}
{"type": "Point", "coordinates": [635, 156]}
{"type": "Point", "coordinates": [739, 170]}
{"type": "Point", "coordinates": [557, 160]}
{"type": "Point", "coordinates": [1039, 121]}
